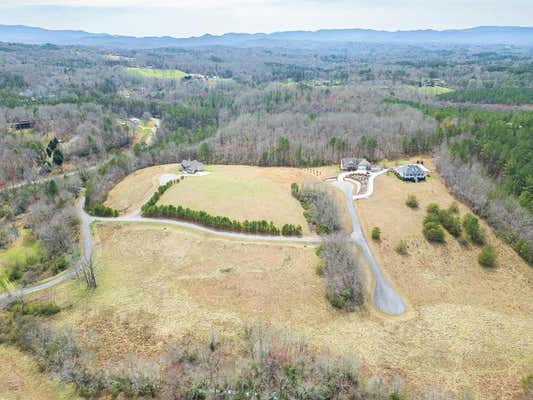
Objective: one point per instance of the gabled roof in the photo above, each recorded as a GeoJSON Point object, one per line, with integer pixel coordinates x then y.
{"type": "Point", "coordinates": [410, 170]}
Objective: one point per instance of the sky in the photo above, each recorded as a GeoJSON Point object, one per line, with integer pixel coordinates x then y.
{"type": "Point", "coordinates": [184, 18]}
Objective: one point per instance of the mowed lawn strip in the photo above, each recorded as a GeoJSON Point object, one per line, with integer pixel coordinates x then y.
{"type": "Point", "coordinates": [243, 193]}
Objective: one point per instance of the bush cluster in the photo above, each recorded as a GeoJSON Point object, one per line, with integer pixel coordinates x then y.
{"type": "Point", "coordinates": [343, 274]}
{"type": "Point", "coordinates": [99, 210]}
{"type": "Point", "coordinates": [412, 201]}
{"type": "Point", "coordinates": [432, 229]}
{"type": "Point", "coordinates": [376, 233]}
{"type": "Point", "coordinates": [151, 209]}
{"type": "Point", "coordinates": [487, 256]}
{"type": "Point", "coordinates": [437, 217]}
{"type": "Point", "coordinates": [473, 229]}
{"type": "Point", "coordinates": [320, 206]}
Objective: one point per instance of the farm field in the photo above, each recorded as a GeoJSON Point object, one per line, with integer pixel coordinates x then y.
{"type": "Point", "coordinates": [20, 379]}
{"type": "Point", "coordinates": [157, 73]}
{"type": "Point", "coordinates": [242, 192]}
{"type": "Point", "coordinates": [238, 192]}
{"type": "Point", "coordinates": [158, 283]}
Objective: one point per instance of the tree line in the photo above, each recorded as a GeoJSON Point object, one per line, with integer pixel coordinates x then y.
{"type": "Point", "coordinates": [151, 209]}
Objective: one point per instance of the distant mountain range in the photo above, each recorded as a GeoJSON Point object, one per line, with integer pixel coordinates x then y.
{"type": "Point", "coordinates": [486, 35]}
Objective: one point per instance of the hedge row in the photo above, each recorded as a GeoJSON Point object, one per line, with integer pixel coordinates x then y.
{"type": "Point", "coordinates": [151, 209]}
{"type": "Point", "coordinates": [99, 210]}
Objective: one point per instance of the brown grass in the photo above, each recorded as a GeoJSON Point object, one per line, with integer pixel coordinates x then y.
{"type": "Point", "coordinates": [467, 329]}
{"type": "Point", "coordinates": [130, 193]}
{"type": "Point", "coordinates": [20, 379]}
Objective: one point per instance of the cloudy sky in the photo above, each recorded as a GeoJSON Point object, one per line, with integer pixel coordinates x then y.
{"type": "Point", "coordinates": [182, 18]}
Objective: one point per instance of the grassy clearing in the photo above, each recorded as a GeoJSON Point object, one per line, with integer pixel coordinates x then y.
{"type": "Point", "coordinates": [158, 73]}
{"type": "Point", "coordinates": [25, 251]}
{"type": "Point", "coordinates": [241, 193]}
{"type": "Point", "coordinates": [21, 379]}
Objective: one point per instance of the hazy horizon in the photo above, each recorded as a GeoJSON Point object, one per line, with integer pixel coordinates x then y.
{"type": "Point", "coordinates": [187, 18]}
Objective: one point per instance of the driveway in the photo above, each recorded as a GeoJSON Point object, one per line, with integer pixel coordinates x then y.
{"type": "Point", "coordinates": [384, 297]}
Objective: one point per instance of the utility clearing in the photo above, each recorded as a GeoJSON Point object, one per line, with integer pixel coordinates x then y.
{"type": "Point", "coordinates": [466, 328]}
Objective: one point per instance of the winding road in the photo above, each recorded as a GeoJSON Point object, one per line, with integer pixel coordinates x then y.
{"type": "Point", "coordinates": [384, 296]}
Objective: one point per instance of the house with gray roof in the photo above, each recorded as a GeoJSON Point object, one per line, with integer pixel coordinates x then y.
{"type": "Point", "coordinates": [191, 167]}
{"type": "Point", "coordinates": [410, 172]}
{"type": "Point", "coordinates": [355, 164]}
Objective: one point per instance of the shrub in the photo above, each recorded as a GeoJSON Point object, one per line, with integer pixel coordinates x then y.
{"type": "Point", "coordinates": [376, 233]}
{"type": "Point", "coordinates": [451, 222]}
{"type": "Point", "coordinates": [401, 248]}
{"type": "Point", "coordinates": [412, 201]}
{"type": "Point", "coordinates": [454, 208]}
{"type": "Point", "coordinates": [433, 208]}
{"type": "Point", "coordinates": [487, 256]}
{"type": "Point", "coordinates": [320, 205]}
{"type": "Point", "coordinates": [433, 232]}
{"type": "Point", "coordinates": [99, 210]}
{"type": "Point", "coordinates": [343, 274]}
{"type": "Point", "coordinates": [473, 230]}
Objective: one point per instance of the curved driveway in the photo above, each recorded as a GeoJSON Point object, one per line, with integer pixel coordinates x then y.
{"type": "Point", "coordinates": [384, 296]}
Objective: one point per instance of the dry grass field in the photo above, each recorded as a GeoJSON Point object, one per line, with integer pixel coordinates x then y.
{"type": "Point", "coordinates": [130, 193]}
{"type": "Point", "coordinates": [467, 329]}
{"type": "Point", "coordinates": [20, 379]}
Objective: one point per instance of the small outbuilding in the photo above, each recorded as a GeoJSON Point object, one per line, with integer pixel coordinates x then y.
{"type": "Point", "coordinates": [191, 167]}
{"type": "Point", "coordinates": [410, 172]}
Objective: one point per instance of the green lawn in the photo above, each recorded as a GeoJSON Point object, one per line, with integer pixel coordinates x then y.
{"type": "Point", "coordinates": [158, 73]}
{"type": "Point", "coordinates": [243, 193]}
{"type": "Point", "coordinates": [25, 251]}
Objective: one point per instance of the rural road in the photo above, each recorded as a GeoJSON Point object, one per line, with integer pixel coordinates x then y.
{"type": "Point", "coordinates": [384, 297]}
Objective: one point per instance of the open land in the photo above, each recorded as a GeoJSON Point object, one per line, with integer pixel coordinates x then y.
{"type": "Point", "coordinates": [20, 378]}
{"type": "Point", "coordinates": [158, 283]}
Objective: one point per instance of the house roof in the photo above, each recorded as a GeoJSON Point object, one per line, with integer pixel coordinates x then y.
{"type": "Point", "coordinates": [410, 170]}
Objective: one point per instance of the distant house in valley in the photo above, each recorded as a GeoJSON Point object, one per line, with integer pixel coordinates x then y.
{"type": "Point", "coordinates": [355, 164]}
{"type": "Point", "coordinates": [20, 125]}
{"type": "Point", "coordinates": [410, 172]}
{"type": "Point", "coordinates": [191, 167]}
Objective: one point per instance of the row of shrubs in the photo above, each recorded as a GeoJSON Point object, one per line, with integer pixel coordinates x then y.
{"type": "Point", "coordinates": [151, 209]}
{"type": "Point", "coordinates": [99, 210]}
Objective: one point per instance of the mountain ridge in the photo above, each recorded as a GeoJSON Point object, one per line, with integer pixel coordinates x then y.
{"type": "Point", "coordinates": [497, 35]}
